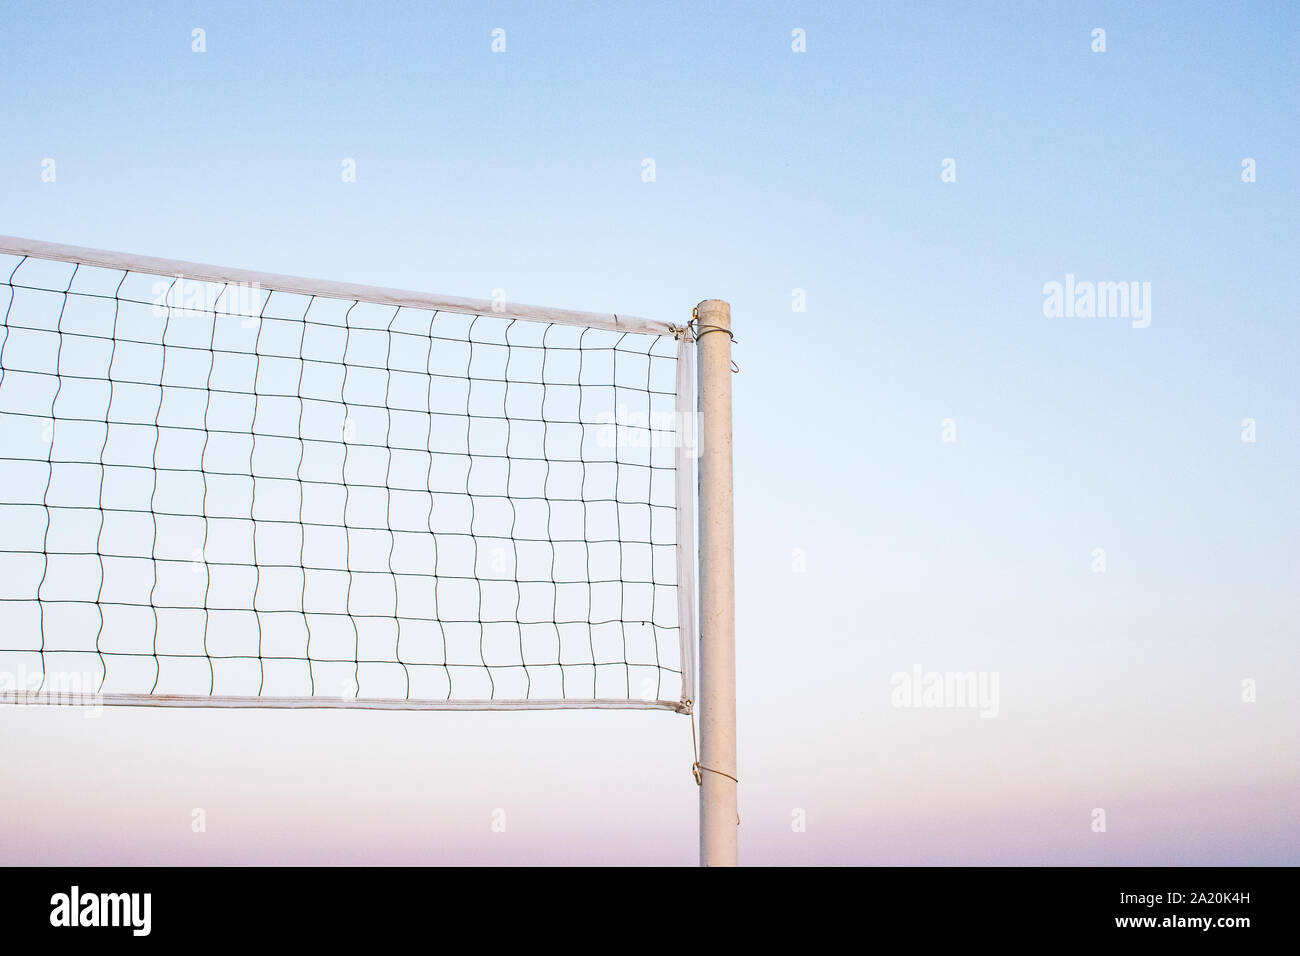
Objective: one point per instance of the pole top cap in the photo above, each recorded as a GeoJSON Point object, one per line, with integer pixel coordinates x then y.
{"type": "Point", "coordinates": [716, 312]}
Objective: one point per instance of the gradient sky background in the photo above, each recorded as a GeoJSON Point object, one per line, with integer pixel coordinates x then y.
{"type": "Point", "coordinates": [775, 171]}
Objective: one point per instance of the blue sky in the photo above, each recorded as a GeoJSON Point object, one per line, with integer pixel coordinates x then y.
{"type": "Point", "coordinates": [778, 171]}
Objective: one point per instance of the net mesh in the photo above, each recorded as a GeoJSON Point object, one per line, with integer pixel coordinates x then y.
{"type": "Point", "coordinates": [220, 490]}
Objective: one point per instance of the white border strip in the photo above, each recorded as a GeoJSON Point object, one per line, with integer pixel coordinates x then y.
{"type": "Point", "coordinates": [327, 703]}
{"type": "Point", "coordinates": [687, 439]}
{"type": "Point", "coordinates": [149, 265]}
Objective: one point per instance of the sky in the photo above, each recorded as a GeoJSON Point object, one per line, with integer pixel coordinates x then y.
{"type": "Point", "coordinates": [932, 472]}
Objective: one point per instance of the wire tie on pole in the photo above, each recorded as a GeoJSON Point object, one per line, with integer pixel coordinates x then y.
{"type": "Point", "coordinates": [703, 330]}
{"type": "Point", "coordinates": [698, 769]}
{"type": "Point", "coordinates": [700, 331]}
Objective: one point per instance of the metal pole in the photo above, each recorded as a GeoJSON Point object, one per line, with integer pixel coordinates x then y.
{"type": "Point", "coordinates": [717, 704]}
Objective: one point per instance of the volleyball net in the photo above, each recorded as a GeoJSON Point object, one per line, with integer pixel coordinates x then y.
{"type": "Point", "coordinates": [220, 487]}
